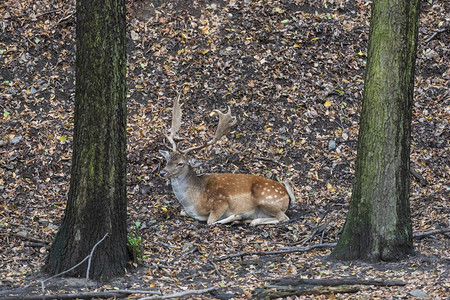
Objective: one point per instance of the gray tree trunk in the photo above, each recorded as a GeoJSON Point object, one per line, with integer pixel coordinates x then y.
{"type": "Point", "coordinates": [378, 224]}
{"type": "Point", "coordinates": [97, 196]}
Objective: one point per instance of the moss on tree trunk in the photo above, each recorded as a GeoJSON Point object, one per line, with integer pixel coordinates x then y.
{"type": "Point", "coordinates": [97, 196]}
{"type": "Point", "coordinates": [378, 225]}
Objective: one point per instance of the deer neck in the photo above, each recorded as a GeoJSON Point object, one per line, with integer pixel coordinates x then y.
{"type": "Point", "coordinates": [187, 188]}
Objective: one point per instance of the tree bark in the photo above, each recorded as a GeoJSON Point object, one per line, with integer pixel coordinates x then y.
{"type": "Point", "coordinates": [97, 196]}
{"type": "Point", "coordinates": [378, 224]}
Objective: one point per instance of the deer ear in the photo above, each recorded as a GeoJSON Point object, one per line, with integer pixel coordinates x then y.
{"type": "Point", "coordinates": [195, 163]}
{"type": "Point", "coordinates": [164, 153]}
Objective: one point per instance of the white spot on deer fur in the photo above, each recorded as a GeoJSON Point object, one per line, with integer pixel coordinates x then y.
{"type": "Point", "coordinates": [262, 193]}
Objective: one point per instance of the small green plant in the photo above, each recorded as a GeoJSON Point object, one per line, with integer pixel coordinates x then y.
{"type": "Point", "coordinates": [134, 243]}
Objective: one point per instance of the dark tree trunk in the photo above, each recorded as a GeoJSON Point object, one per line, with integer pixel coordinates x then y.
{"type": "Point", "coordinates": [378, 225]}
{"type": "Point", "coordinates": [97, 197]}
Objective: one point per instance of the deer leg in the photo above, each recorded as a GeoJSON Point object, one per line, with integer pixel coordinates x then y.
{"type": "Point", "coordinates": [280, 217]}
{"type": "Point", "coordinates": [264, 221]}
{"type": "Point", "coordinates": [216, 214]}
{"type": "Point", "coordinates": [230, 219]}
{"type": "Point", "coordinates": [238, 217]}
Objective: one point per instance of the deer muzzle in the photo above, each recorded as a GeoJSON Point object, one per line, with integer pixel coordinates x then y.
{"type": "Point", "coordinates": [163, 173]}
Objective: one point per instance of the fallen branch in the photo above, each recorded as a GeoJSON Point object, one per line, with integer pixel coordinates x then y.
{"type": "Point", "coordinates": [181, 294]}
{"type": "Point", "coordinates": [285, 251]}
{"type": "Point", "coordinates": [47, 12]}
{"type": "Point", "coordinates": [286, 291]}
{"type": "Point", "coordinates": [82, 295]}
{"type": "Point", "coordinates": [431, 232]}
{"type": "Point", "coordinates": [297, 286]}
{"type": "Point", "coordinates": [337, 281]}
{"type": "Point", "coordinates": [29, 238]}
{"type": "Point", "coordinates": [40, 245]}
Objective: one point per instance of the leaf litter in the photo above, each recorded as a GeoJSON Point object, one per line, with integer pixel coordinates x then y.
{"type": "Point", "coordinates": [292, 72]}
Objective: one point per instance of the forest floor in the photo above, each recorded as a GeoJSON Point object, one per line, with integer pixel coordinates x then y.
{"type": "Point", "coordinates": [292, 73]}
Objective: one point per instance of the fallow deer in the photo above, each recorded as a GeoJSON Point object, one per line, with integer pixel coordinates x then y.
{"type": "Point", "coordinates": [222, 198]}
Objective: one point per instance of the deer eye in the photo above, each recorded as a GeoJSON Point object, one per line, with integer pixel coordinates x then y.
{"type": "Point", "coordinates": [180, 164]}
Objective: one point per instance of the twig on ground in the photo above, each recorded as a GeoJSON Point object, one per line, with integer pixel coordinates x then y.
{"type": "Point", "coordinates": [340, 122]}
{"type": "Point", "coordinates": [215, 268]}
{"type": "Point", "coordinates": [29, 238]}
{"type": "Point", "coordinates": [285, 251]}
{"type": "Point", "coordinates": [15, 291]}
{"type": "Point", "coordinates": [323, 231]}
{"type": "Point", "coordinates": [33, 18]}
{"type": "Point", "coordinates": [51, 11]}
{"type": "Point", "coordinates": [189, 251]}
{"type": "Point", "coordinates": [169, 246]}
{"type": "Point", "coordinates": [318, 229]}
{"type": "Point", "coordinates": [419, 177]}
{"type": "Point", "coordinates": [83, 295]}
{"type": "Point", "coordinates": [181, 294]}
{"type": "Point", "coordinates": [337, 281]}
{"type": "Point", "coordinates": [66, 18]}
{"type": "Point", "coordinates": [40, 245]}
{"type": "Point", "coordinates": [435, 34]}
{"type": "Point", "coordinates": [161, 266]}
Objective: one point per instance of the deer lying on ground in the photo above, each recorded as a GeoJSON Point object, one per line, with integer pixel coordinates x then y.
{"type": "Point", "coordinates": [222, 198]}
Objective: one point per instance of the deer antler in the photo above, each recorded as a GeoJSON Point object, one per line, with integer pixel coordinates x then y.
{"type": "Point", "coordinates": [176, 123]}
{"type": "Point", "coordinates": [226, 121]}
